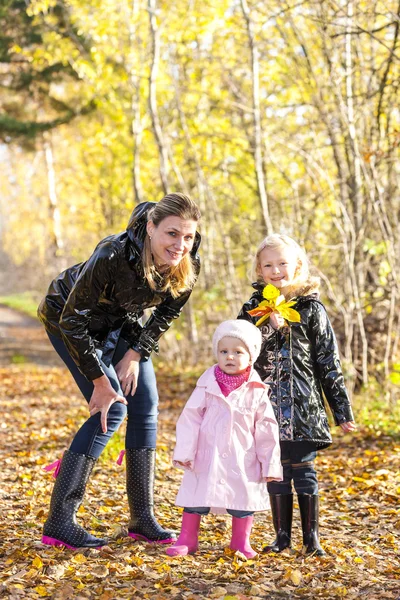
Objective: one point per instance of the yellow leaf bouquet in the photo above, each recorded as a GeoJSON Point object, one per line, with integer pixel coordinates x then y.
{"type": "Point", "coordinates": [274, 302]}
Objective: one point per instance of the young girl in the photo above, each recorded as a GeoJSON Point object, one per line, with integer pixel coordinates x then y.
{"type": "Point", "coordinates": [227, 441]}
{"type": "Point", "coordinates": [300, 362]}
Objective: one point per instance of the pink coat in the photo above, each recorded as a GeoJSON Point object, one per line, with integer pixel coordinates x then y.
{"type": "Point", "coordinates": [232, 444]}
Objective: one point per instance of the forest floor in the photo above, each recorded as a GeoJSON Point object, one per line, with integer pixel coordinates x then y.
{"type": "Point", "coordinates": [40, 407]}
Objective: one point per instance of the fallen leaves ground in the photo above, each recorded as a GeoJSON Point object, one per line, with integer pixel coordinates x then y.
{"type": "Point", "coordinates": [40, 408]}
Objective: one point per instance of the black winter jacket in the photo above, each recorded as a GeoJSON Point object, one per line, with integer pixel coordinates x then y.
{"type": "Point", "coordinates": [92, 303]}
{"type": "Point", "coordinates": [301, 362]}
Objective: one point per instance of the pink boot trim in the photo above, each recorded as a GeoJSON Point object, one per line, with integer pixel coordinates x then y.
{"type": "Point", "coordinates": [120, 457]}
{"type": "Point", "coordinates": [49, 541]}
{"type": "Point", "coordinates": [142, 538]}
{"type": "Point", "coordinates": [187, 542]}
{"type": "Point", "coordinates": [241, 529]}
{"type": "Point", "coordinates": [55, 466]}
{"type": "Point", "coordinates": [53, 542]}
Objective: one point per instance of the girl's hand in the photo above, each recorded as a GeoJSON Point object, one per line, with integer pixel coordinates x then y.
{"type": "Point", "coordinates": [128, 371]}
{"type": "Point", "coordinates": [183, 464]}
{"type": "Point", "coordinates": [348, 426]}
{"type": "Point", "coordinates": [102, 398]}
{"type": "Point", "coordinates": [276, 320]}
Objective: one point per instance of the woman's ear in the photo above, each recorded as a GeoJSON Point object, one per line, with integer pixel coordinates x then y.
{"type": "Point", "coordinates": [150, 228]}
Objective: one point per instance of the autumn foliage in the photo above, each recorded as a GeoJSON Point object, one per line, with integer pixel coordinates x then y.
{"type": "Point", "coordinates": [360, 519]}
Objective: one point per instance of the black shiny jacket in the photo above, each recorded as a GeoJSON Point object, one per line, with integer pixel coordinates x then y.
{"type": "Point", "coordinates": [301, 363]}
{"type": "Point", "coordinates": [92, 303]}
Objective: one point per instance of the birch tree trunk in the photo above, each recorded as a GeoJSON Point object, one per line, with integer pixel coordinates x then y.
{"type": "Point", "coordinates": [256, 114]}
{"type": "Point", "coordinates": [153, 107]}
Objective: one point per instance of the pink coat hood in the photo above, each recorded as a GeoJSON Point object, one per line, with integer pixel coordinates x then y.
{"type": "Point", "coordinates": [231, 444]}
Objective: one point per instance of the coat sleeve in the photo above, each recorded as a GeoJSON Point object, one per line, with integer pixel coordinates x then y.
{"type": "Point", "coordinates": [188, 429]}
{"type": "Point", "coordinates": [267, 439]}
{"type": "Point", "coordinates": [100, 269]}
{"type": "Point", "coordinates": [158, 323]}
{"type": "Point", "coordinates": [328, 366]}
{"type": "Point", "coordinates": [252, 302]}
{"type": "Point", "coordinates": [160, 320]}
{"type": "Point", "coordinates": [266, 329]}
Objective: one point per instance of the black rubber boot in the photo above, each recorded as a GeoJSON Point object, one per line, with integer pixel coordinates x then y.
{"type": "Point", "coordinates": [61, 528]}
{"type": "Point", "coordinates": [309, 513]}
{"type": "Point", "coordinates": [140, 466]}
{"type": "Point", "coordinates": [282, 516]}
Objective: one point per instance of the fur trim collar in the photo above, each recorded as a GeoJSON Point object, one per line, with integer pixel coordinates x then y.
{"type": "Point", "coordinates": [306, 288]}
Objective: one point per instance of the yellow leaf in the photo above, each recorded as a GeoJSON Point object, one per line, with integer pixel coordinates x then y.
{"type": "Point", "coordinates": [79, 558]}
{"type": "Point", "coordinates": [37, 562]}
{"type": "Point", "coordinates": [41, 590]}
{"type": "Point", "coordinates": [290, 314]}
{"type": "Point", "coordinates": [296, 577]}
{"type": "Point", "coordinates": [270, 292]}
{"type": "Point", "coordinates": [264, 318]}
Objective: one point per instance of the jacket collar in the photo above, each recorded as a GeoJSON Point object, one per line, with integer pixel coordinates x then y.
{"type": "Point", "coordinates": [309, 289]}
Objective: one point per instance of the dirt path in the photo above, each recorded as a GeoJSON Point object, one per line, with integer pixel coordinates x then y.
{"type": "Point", "coordinates": [23, 340]}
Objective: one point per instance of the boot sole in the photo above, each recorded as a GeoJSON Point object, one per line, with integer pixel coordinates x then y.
{"type": "Point", "coordinates": [49, 541]}
{"type": "Point", "coordinates": [180, 550]}
{"type": "Point", "coordinates": [142, 538]}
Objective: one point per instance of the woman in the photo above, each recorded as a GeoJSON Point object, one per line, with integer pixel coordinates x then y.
{"type": "Point", "coordinates": [92, 316]}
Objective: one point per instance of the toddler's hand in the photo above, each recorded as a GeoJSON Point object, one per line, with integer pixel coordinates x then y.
{"type": "Point", "coordinates": [277, 321]}
{"type": "Point", "coordinates": [183, 464]}
{"type": "Point", "coordinates": [269, 479]}
{"type": "Point", "coordinates": [348, 426]}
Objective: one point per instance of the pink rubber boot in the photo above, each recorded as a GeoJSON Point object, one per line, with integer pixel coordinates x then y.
{"type": "Point", "coordinates": [241, 529]}
{"type": "Point", "coordinates": [187, 542]}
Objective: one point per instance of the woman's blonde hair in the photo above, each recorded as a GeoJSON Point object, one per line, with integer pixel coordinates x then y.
{"type": "Point", "coordinates": [182, 277]}
{"type": "Point", "coordinates": [302, 273]}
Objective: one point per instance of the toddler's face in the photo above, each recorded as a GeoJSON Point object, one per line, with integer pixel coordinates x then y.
{"type": "Point", "coordinates": [233, 356]}
{"type": "Point", "coordinates": [278, 265]}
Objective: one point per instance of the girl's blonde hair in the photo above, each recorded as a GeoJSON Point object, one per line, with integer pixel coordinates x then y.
{"type": "Point", "coordinates": [182, 277]}
{"type": "Point", "coordinates": [302, 273]}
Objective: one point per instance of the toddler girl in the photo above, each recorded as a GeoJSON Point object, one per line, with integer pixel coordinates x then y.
{"type": "Point", "coordinates": [300, 362]}
{"type": "Point", "coordinates": [227, 441]}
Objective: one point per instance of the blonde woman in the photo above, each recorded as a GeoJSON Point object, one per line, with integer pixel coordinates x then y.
{"type": "Point", "coordinates": [92, 315]}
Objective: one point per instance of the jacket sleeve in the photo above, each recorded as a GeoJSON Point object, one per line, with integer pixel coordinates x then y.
{"type": "Point", "coordinates": [266, 328]}
{"type": "Point", "coordinates": [267, 439]}
{"type": "Point", "coordinates": [329, 369]}
{"type": "Point", "coordinates": [253, 301]}
{"type": "Point", "coordinates": [188, 429]}
{"type": "Point", "coordinates": [100, 269]}
{"type": "Point", "coordinates": [158, 323]}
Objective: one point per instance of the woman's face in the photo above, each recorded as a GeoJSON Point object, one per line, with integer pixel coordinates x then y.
{"type": "Point", "coordinates": [171, 240]}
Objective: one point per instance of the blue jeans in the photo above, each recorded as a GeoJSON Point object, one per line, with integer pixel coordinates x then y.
{"type": "Point", "coordinates": [204, 510]}
{"type": "Point", "coordinates": [298, 466]}
{"type": "Point", "coordinates": [142, 409]}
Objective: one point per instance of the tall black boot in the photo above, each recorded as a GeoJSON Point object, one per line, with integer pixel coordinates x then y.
{"type": "Point", "coordinates": [282, 516]}
{"type": "Point", "coordinates": [309, 513]}
{"type": "Point", "coordinates": [61, 528]}
{"type": "Point", "coordinates": [140, 466]}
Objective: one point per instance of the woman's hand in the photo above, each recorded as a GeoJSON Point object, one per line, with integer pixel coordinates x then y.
{"type": "Point", "coordinates": [102, 398]}
{"type": "Point", "coordinates": [348, 426]}
{"type": "Point", "coordinates": [128, 372]}
{"type": "Point", "coordinates": [276, 320]}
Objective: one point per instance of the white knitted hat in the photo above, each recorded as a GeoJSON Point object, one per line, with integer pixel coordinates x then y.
{"type": "Point", "coordinates": [244, 331]}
